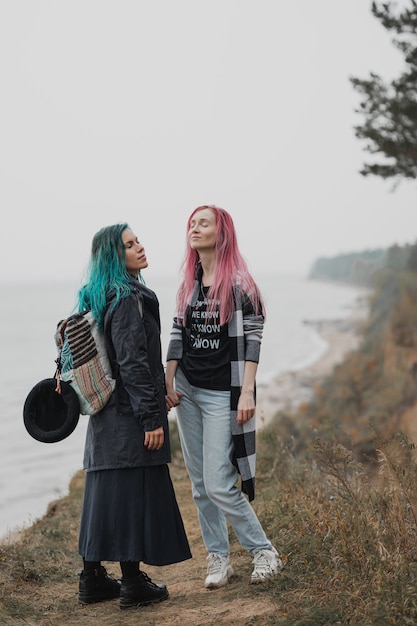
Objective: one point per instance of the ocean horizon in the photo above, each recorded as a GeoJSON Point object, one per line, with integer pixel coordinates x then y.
{"type": "Point", "coordinates": [32, 474]}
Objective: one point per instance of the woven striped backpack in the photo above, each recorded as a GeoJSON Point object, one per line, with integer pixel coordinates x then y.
{"type": "Point", "coordinates": [83, 361]}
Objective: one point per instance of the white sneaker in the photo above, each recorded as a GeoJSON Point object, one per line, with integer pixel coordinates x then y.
{"type": "Point", "coordinates": [219, 571]}
{"type": "Point", "coordinates": [267, 565]}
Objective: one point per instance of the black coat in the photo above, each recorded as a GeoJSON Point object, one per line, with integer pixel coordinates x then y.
{"type": "Point", "coordinates": [115, 435]}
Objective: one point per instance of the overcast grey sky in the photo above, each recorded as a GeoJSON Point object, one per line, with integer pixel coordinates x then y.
{"type": "Point", "coordinates": [139, 111]}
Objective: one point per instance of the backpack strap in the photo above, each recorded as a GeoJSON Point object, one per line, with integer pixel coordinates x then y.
{"type": "Point", "coordinates": [59, 342]}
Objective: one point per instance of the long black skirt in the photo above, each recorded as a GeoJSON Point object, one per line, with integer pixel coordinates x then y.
{"type": "Point", "coordinates": [132, 515]}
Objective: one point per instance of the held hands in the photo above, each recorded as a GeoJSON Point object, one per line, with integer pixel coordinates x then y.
{"type": "Point", "coordinates": [154, 439]}
{"type": "Point", "coordinates": [245, 407]}
{"type": "Point", "coordinates": [172, 399]}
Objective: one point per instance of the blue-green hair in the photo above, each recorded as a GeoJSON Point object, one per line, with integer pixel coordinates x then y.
{"type": "Point", "coordinates": [106, 272]}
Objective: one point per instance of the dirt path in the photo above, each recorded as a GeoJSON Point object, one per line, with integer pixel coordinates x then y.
{"type": "Point", "coordinates": [190, 604]}
{"type": "Point", "coordinates": [39, 583]}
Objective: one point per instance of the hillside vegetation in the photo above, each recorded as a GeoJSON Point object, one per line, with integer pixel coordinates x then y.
{"type": "Point", "coordinates": [366, 397]}
{"type": "Point", "coordinates": [337, 495]}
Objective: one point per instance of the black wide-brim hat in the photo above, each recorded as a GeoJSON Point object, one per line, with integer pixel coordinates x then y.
{"type": "Point", "coordinates": [50, 416]}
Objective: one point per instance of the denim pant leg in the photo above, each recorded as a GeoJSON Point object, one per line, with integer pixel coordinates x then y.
{"type": "Point", "coordinates": [191, 431]}
{"type": "Point", "coordinates": [204, 425]}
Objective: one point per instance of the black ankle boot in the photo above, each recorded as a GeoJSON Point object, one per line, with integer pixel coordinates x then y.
{"type": "Point", "coordinates": [141, 590]}
{"type": "Point", "coordinates": [96, 586]}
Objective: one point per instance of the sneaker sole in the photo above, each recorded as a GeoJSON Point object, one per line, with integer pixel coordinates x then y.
{"type": "Point", "coordinates": [145, 603]}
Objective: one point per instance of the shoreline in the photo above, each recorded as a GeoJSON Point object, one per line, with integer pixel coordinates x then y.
{"type": "Point", "coordinates": [290, 389]}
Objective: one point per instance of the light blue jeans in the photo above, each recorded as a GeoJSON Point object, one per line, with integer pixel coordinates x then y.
{"type": "Point", "coordinates": [206, 440]}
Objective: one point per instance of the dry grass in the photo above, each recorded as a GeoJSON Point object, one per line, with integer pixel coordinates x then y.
{"type": "Point", "coordinates": [348, 539]}
{"type": "Point", "coordinates": [350, 534]}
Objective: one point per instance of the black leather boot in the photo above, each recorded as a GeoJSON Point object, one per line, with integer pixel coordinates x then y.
{"type": "Point", "coordinates": [140, 591]}
{"type": "Point", "coordinates": [96, 586]}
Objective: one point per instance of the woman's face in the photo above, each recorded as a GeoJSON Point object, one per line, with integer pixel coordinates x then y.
{"type": "Point", "coordinates": [202, 230]}
{"type": "Point", "coordinates": [134, 252]}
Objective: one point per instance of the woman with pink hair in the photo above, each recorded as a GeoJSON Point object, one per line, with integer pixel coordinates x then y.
{"type": "Point", "coordinates": [210, 378]}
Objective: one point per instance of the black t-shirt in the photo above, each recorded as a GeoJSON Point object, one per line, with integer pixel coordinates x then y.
{"type": "Point", "coordinates": [206, 355]}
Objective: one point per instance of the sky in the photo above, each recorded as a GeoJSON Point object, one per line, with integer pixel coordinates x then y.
{"type": "Point", "coordinates": [142, 110]}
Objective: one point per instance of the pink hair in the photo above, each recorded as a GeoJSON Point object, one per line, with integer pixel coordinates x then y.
{"type": "Point", "coordinates": [230, 269]}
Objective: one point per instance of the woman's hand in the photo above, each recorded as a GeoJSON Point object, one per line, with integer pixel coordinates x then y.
{"type": "Point", "coordinates": [245, 407]}
{"type": "Point", "coordinates": [172, 399]}
{"type": "Point", "coordinates": [154, 439]}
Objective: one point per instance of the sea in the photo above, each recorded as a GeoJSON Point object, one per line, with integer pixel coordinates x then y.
{"type": "Point", "coordinates": [33, 474]}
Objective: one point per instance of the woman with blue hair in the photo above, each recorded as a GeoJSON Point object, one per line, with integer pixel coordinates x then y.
{"type": "Point", "coordinates": [130, 513]}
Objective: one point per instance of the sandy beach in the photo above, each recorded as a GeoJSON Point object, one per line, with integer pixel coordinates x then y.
{"type": "Point", "coordinates": [290, 389]}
